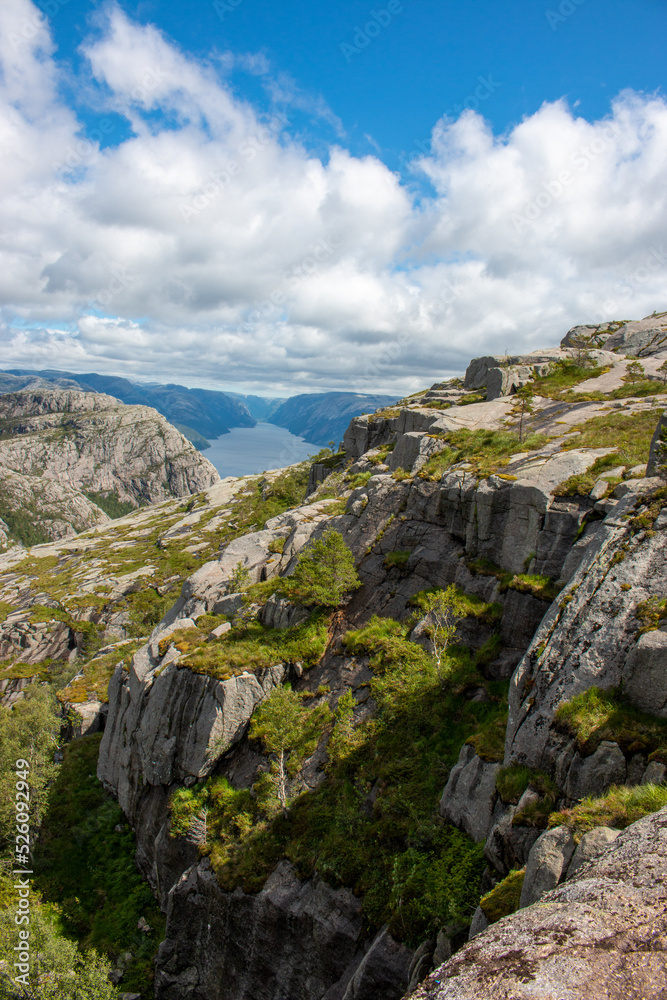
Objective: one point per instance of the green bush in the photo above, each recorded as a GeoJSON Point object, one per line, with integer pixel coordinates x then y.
{"type": "Point", "coordinates": [324, 572]}
{"type": "Point", "coordinates": [84, 863]}
{"type": "Point", "coordinates": [504, 898]}
{"type": "Point", "coordinates": [399, 559]}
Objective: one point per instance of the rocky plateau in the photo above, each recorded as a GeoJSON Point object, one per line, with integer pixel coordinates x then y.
{"type": "Point", "coordinates": [536, 486]}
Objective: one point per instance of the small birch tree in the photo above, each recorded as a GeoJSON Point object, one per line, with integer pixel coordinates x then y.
{"type": "Point", "coordinates": [288, 733]}
{"type": "Point", "coordinates": [444, 610]}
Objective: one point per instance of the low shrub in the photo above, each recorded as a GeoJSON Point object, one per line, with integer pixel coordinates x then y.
{"type": "Point", "coordinates": [596, 715]}
{"type": "Point", "coordinates": [618, 808]}
{"type": "Point", "coordinates": [504, 898]}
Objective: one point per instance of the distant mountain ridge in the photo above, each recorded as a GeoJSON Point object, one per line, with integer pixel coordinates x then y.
{"type": "Point", "coordinates": [206, 411]}
{"type": "Point", "coordinates": [322, 417]}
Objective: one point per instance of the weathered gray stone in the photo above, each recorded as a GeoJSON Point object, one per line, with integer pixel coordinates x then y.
{"type": "Point", "coordinates": [600, 934]}
{"type": "Point", "coordinates": [595, 774]}
{"type": "Point", "coordinates": [547, 863]}
{"type": "Point", "coordinates": [382, 972]}
{"type": "Point", "coordinates": [654, 774]}
{"type": "Point", "coordinates": [641, 337]}
{"type": "Point", "coordinates": [479, 923]}
{"type": "Point", "coordinates": [293, 938]}
{"type": "Point", "coordinates": [620, 569]}
{"type": "Point", "coordinates": [590, 846]}
{"type": "Point", "coordinates": [470, 794]}
{"type": "Point", "coordinates": [278, 612]}
{"type": "Point", "coordinates": [657, 461]}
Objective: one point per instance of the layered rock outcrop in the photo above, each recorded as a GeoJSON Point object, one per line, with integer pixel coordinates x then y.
{"type": "Point", "coordinates": [58, 445]}
{"type": "Point", "coordinates": [234, 946]}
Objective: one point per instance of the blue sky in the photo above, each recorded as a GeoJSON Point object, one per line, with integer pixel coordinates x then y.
{"type": "Point", "coordinates": [428, 58]}
{"type": "Point", "coordinates": [335, 194]}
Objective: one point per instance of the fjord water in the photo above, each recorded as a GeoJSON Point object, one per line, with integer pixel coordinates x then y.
{"type": "Point", "coordinates": [248, 450]}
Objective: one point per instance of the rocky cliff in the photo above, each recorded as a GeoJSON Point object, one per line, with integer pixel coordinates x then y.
{"type": "Point", "coordinates": [430, 802]}
{"type": "Point", "coordinates": [67, 455]}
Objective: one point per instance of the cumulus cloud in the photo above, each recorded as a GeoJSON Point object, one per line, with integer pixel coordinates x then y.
{"type": "Point", "coordinates": [211, 246]}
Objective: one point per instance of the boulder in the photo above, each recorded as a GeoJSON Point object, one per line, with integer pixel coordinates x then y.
{"type": "Point", "coordinates": [641, 337]}
{"type": "Point", "coordinates": [644, 674]}
{"type": "Point", "coordinates": [654, 774]}
{"type": "Point", "coordinates": [547, 863]}
{"type": "Point", "coordinates": [600, 934]}
{"type": "Point", "coordinates": [595, 774]}
{"type": "Point", "coordinates": [278, 612]}
{"type": "Point", "coordinates": [591, 845]}
{"type": "Point", "coordinates": [470, 794]}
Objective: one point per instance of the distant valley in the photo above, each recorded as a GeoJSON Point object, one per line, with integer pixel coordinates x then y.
{"type": "Point", "coordinates": [204, 414]}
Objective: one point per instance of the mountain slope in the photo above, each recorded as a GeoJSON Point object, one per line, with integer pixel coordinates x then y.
{"type": "Point", "coordinates": [323, 417]}
{"type": "Point", "coordinates": [208, 412]}
{"type": "Point", "coordinates": [67, 455]}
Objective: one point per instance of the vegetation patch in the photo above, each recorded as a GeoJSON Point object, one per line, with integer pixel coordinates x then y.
{"type": "Point", "coordinates": [596, 715]}
{"type": "Point", "coordinates": [358, 479]}
{"type": "Point", "coordinates": [504, 898]}
{"type": "Point", "coordinates": [563, 376]}
{"type": "Point", "coordinates": [486, 451]}
{"type": "Point", "coordinates": [536, 584]}
{"type": "Point", "coordinates": [398, 558]}
{"type": "Point", "coordinates": [618, 808]}
{"type": "Point", "coordinates": [651, 613]}
{"type": "Point", "coordinates": [253, 647]}
{"type": "Point", "coordinates": [93, 683]}
{"type": "Point", "coordinates": [382, 452]}
{"type": "Point", "coordinates": [628, 434]}
{"type": "Point", "coordinates": [514, 780]}
{"type": "Point", "coordinates": [23, 524]}
{"type": "Point", "coordinates": [373, 824]}
{"type": "Point", "coordinates": [85, 864]}
{"type": "Point", "coordinates": [111, 504]}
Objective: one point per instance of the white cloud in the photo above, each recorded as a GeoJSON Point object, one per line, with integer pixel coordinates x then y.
{"type": "Point", "coordinates": [212, 246]}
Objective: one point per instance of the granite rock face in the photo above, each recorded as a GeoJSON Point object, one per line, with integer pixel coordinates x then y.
{"type": "Point", "coordinates": [60, 444]}
{"type": "Point", "coordinates": [622, 568]}
{"type": "Point", "coordinates": [168, 726]}
{"type": "Point", "coordinates": [641, 338]}
{"type": "Point", "coordinates": [470, 794]}
{"type": "Point", "coordinates": [292, 939]}
{"type": "Point", "coordinates": [602, 933]}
